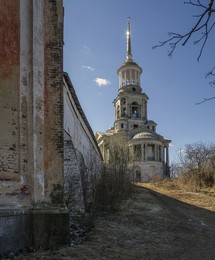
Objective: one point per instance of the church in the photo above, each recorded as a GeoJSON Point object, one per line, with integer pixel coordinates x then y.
{"type": "Point", "coordinates": [148, 150]}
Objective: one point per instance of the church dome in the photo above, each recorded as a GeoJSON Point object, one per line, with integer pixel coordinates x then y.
{"type": "Point", "coordinates": [144, 135]}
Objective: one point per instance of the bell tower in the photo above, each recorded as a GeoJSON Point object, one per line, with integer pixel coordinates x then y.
{"type": "Point", "coordinates": [148, 150]}
{"type": "Point", "coordinates": [130, 103]}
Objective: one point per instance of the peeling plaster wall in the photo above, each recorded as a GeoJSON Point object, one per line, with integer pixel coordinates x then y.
{"type": "Point", "coordinates": [53, 102]}
{"type": "Point", "coordinates": [150, 170]}
{"type": "Point", "coordinates": [82, 156]}
{"type": "Point", "coordinates": [74, 196]}
{"type": "Point", "coordinates": [9, 90]}
{"type": "Point", "coordinates": [31, 125]}
{"type": "Point", "coordinates": [76, 127]}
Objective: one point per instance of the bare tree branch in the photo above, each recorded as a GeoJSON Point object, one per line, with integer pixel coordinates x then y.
{"type": "Point", "coordinates": [202, 29]}
{"type": "Point", "coordinates": [205, 100]}
{"type": "Point", "coordinates": [202, 25]}
{"type": "Point", "coordinates": [208, 75]}
{"type": "Point", "coordinates": [198, 4]}
{"type": "Point", "coordinates": [211, 72]}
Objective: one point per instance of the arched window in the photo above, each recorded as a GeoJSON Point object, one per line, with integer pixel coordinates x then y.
{"type": "Point", "coordinates": [117, 112]}
{"type": "Point", "coordinates": [124, 111]}
{"type": "Point", "coordinates": [134, 109]}
{"type": "Point", "coordinates": [123, 105]}
{"type": "Point", "coordinates": [138, 175]}
{"type": "Point", "coordinates": [123, 101]}
{"type": "Point", "coordinates": [151, 152]}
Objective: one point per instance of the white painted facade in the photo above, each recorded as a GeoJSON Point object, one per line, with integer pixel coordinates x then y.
{"type": "Point", "coordinates": [76, 124]}
{"type": "Point", "coordinates": [82, 157]}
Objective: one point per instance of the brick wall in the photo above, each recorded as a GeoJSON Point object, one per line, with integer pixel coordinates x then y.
{"type": "Point", "coordinates": [9, 90]}
{"type": "Point", "coordinates": [31, 122]}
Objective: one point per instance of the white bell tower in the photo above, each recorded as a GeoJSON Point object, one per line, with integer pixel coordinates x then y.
{"type": "Point", "coordinates": [131, 103]}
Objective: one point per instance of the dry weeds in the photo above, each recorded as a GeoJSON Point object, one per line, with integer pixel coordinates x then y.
{"type": "Point", "coordinates": [204, 198]}
{"type": "Point", "coordinates": [149, 225]}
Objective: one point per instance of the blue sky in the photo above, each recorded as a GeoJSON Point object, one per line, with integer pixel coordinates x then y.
{"type": "Point", "coordinates": [95, 47]}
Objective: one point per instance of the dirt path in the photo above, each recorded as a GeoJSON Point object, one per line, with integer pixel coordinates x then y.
{"type": "Point", "coordinates": [149, 226]}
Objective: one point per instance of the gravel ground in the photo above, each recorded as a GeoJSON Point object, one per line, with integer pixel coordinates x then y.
{"type": "Point", "coordinates": [150, 225]}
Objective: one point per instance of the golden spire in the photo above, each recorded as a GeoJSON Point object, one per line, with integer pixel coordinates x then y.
{"type": "Point", "coordinates": [128, 33]}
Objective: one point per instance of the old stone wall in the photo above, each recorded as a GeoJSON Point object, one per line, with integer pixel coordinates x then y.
{"type": "Point", "coordinates": [82, 156]}
{"type": "Point", "coordinates": [73, 182]}
{"type": "Point", "coordinates": [32, 210]}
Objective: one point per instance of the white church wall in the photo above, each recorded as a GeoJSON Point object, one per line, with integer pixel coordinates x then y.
{"type": "Point", "coordinates": [82, 157]}
{"type": "Point", "coordinates": [75, 126]}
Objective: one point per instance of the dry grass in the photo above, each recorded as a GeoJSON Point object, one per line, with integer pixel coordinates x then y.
{"type": "Point", "coordinates": [145, 228]}
{"type": "Point", "coordinates": [204, 198]}
{"type": "Point", "coordinates": [111, 188]}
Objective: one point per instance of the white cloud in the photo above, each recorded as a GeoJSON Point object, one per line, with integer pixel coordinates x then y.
{"type": "Point", "coordinates": [102, 82]}
{"type": "Point", "coordinates": [86, 48]}
{"type": "Point", "coordinates": [88, 67]}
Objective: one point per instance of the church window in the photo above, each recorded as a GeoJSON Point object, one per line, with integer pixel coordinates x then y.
{"type": "Point", "coordinates": [122, 125]}
{"type": "Point", "coordinates": [117, 112]}
{"type": "Point", "coordinates": [134, 89]}
{"type": "Point", "coordinates": [134, 113]}
{"type": "Point", "coordinates": [134, 109]}
{"type": "Point", "coordinates": [124, 111]}
{"type": "Point", "coordinates": [151, 152]}
{"type": "Point", "coordinates": [135, 126]}
{"type": "Point", "coordinates": [138, 175]}
{"type": "Point", "coordinates": [159, 152]}
{"type": "Point", "coordinates": [123, 101]}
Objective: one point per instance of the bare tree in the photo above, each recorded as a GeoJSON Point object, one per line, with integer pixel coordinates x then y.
{"type": "Point", "coordinates": [114, 183]}
{"type": "Point", "coordinates": [119, 154]}
{"type": "Point", "coordinates": [203, 27]}
{"type": "Point", "coordinates": [197, 163]}
{"type": "Point", "coordinates": [174, 170]}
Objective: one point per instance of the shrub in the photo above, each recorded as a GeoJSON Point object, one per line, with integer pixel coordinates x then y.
{"type": "Point", "coordinates": [110, 189]}
{"type": "Point", "coordinates": [196, 166]}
